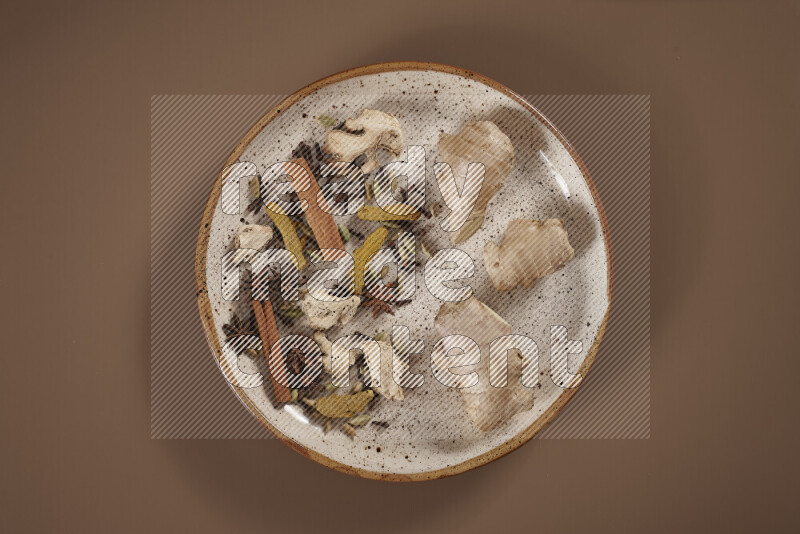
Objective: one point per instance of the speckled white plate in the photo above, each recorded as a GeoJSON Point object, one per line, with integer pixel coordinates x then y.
{"type": "Point", "coordinates": [429, 434]}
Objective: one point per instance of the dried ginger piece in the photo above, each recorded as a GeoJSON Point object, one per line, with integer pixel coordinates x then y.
{"type": "Point", "coordinates": [530, 250]}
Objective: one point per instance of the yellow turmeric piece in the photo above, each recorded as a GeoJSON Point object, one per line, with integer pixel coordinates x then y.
{"type": "Point", "coordinates": [339, 406]}
{"type": "Point", "coordinates": [288, 231]}
{"type": "Point", "coordinates": [376, 213]}
{"type": "Point", "coordinates": [362, 255]}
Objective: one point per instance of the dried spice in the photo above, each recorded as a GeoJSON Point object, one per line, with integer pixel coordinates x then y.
{"type": "Point", "coordinates": [255, 205]}
{"type": "Point", "coordinates": [359, 420]}
{"type": "Point", "coordinates": [349, 430]}
{"type": "Point", "coordinates": [378, 306]}
{"type": "Point", "coordinates": [255, 187]}
{"type": "Point", "coordinates": [255, 193]}
{"type": "Point", "coordinates": [288, 232]}
{"type": "Point", "coordinates": [424, 248]}
{"type": "Point", "coordinates": [369, 194]}
{"type": "Point", "coordinates": [288, 311]}
{"type": "Point", "coordinates": [362, 255]}
{"type": "Point", "coordinates": [295, 361]}
{"type": "Point", "coordinates": [466, 231]}
{"type": "Point", "coordinates": [325, 120]}
{"type": "Point", "coordinates": [376, 213]}
{"type": "Point", "coordinates": [381, 336]}
{"type": "Point", "coordinates": [240, 327]}
{"type": "Point", "coordinates": [268, 332]}
{"type": "Point", "coordinates": [314, 156]}
{"type": "Point", "coordinates": [345, 233]}
{"type": "Point", "coordinates": [341, 406]}
{"type": "Point", "coordinates": [320, 224]}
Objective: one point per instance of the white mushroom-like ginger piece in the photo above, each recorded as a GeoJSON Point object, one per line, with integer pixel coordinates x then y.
{"type": "Point", "coordinates": [530, 250]}
{"type": "Point", "coordinates": [325, 314]}
{"type": "Point", "coordinates": [253, 236]}
{"type": "Point", "coordinates": [384, 365]}
{"type": "Point", "coordinates": [366, 134]}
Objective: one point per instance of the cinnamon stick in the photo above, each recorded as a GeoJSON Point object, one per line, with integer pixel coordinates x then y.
{"type": "Point", "coordinates": [326, 232]}
{"type": "Point", "coordinates": [321, 222]}
{"type": "Point", "coordinates": [268, 331]}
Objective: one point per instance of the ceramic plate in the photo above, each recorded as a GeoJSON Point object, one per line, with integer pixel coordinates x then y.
{"type": "Point", "coordinates": [429, 433]}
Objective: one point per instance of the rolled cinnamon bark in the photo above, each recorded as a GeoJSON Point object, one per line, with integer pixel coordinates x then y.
{"type": "Point", "coordinates": [268, 331]}
{"type": "Point", "coordinates": [321, 222]}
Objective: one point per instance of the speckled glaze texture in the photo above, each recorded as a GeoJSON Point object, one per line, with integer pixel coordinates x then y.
{"type": "Point", "coordinates": [430, 434]}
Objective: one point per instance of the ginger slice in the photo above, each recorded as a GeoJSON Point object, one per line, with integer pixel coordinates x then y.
{"type": "Point", "coordinates": [487, 406]}
{"type": "Point", "coordinates": [530, 250]}
{"type": "Point", "coordinates": [478, 142]}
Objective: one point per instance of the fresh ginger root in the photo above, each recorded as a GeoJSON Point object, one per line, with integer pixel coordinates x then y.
{"type": "Point", "coordinates": [530, 250]}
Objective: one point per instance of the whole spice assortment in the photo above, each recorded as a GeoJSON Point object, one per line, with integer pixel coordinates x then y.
{"type": "Point", "coordinates": [366, 141]}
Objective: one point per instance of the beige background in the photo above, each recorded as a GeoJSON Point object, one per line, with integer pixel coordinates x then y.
{"type": "Point", "coordinates": [75, 450]}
